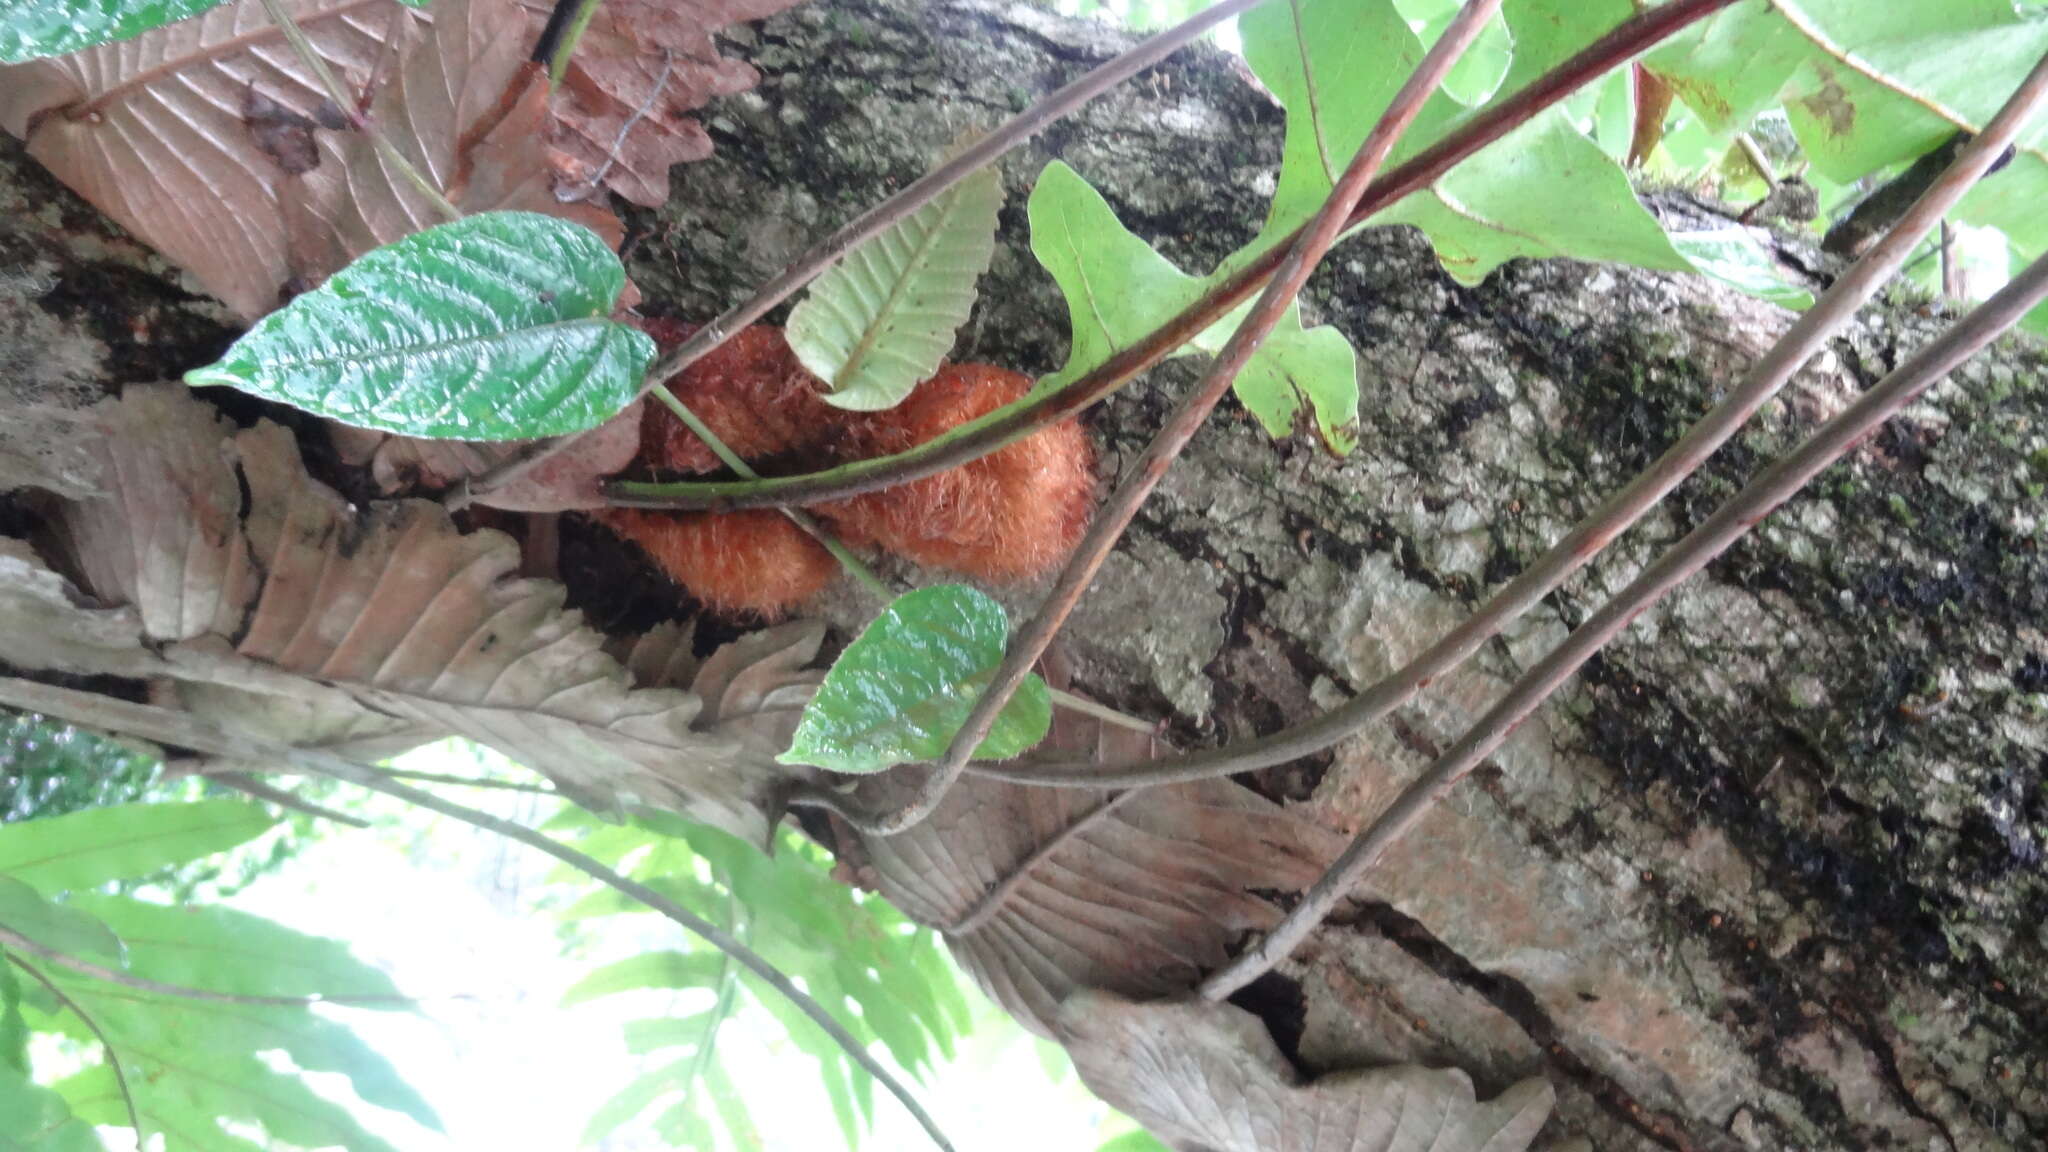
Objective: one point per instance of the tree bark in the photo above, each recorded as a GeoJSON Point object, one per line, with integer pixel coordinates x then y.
{"type": "Point", "coordinates": [1769, 875]}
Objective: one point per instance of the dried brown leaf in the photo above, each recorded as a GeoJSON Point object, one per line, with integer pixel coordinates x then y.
{"type": "Point", "coordinates": [568, 480]}
{"type": "Point", "coordinates": [1141, 899]}
{"type": "Point", "coordinates": [1209, 1077]}
{"type": "Point", "coordinates": [150, 131]}
{"type": "Point", "coordinates": [642, 65]}
{"type": "Point", "coordinates": [46, 626]}
{"type": "Point", "coordinates": [195, 136]}
{"type": "Point", "coordinates": [304, 619]}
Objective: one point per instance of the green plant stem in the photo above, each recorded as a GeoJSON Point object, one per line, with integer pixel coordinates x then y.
{"type": "Point", "coordinates": [853, 563]}
{"type": "Point", "coordinates": [555, 52]}
{"type": "Point", "coordinates": [1729, 523]}
{"type": "Point", "coordinates": [1009, 424]}
{"type": "Point", "coordinates": [113, 1058]}
{"type": "Point", "coordinates": [310, 57]}
{"type": "Point", "coordinates": [840, 552]}
{"type": "Point", "coordinates": [185, 730]}
{"type": "Point", "coordinates": [728, 994]}
{"type": "Point", "coordinates": [886, 215]}
{"type": "Point", "coordinates": [1303, 255]}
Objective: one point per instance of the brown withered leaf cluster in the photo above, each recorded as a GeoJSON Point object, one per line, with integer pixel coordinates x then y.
{"type": "Point", "coordinates": [1208, 1076]}
{"type": "Point", "coordinates": [211, 562]}
{"type": "Point", "coordinates": [1140, 898]}
{"type": "Point", "coordinates": [210, 140]}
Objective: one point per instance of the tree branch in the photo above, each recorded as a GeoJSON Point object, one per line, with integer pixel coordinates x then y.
{"type": "Point", "coordinates": [1806, 337]}
{"type": "Point", "coordinates": [183, 729]}
{"type": "Point", "coordinates": [1009, 424]}
{"type": "Point", "coordinates": [1762, 495]}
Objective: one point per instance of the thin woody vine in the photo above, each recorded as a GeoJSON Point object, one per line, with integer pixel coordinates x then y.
{"type": "Point", "coordinates": [516, 328]}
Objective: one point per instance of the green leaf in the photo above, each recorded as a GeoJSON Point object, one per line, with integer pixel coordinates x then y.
{"type": "Point", "coordinates": [1140, 1141]}
{"type": "Point", "coordinates": [491, 328]}
{"type": "Point", "coordinates": [902, 689]}
{"type": "Point", "coordinates": [66, 929]}
{"type": "Point", "coordinates": [84, 850]}
{"type": "Point", "coordinates": [194, 1063]}
{"type": "Point", "coordinates": [882, 320]}
{"type": "Point", "coordinates": [1733, 256]}
{"type": "Point", "coordinates": [1545, 190]}
{"type": "Point", "coordinates": [13, 1025]}
{"type": "Point", "coordinates": [34, 1119]}
{"type": "Point", "coordinates": [1118, 289]}
{"type": "Point", "coordinates": [647, 970]}
{"type": "Point", "coordinates": [34, 28]}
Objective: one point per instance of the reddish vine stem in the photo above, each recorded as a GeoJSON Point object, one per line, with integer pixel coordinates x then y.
{"type": "Point", "coordinates": [1623, 509]}
{"type": "Point", "coordinates": [113, 1058]}
{"type": "Point", "coordinates": [184, 730]}
{"type": "Point", "coordinates": [1006, 425]}
{"type": "Point", "coordinates": [883, 216]}
{"type": "Point", "coordinates": [1109, 524]}
{"type": "Point", "coordinates": [1761, 496]}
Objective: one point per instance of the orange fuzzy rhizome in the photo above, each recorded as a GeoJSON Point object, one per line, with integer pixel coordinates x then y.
{"type": "Point", "coordinates": [1008, 516]}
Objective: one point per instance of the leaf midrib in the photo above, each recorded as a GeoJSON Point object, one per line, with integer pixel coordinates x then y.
{"type": "Point", "coordinates": [941, 217]}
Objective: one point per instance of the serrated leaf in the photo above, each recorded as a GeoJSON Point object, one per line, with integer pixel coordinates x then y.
{"type": "Point", "coordinates": [494, 327]}
{"type": "Point", "coordinates": [38, 1120]}
{"type": "Point", "coordinates": [83, 850]}
{"type": "Point", "coordinates": [883, 319]}
{"type": "Point", "coordinates": [1118, 289]}
{"type": "Point", "coordinates": [66, 929]}
{"type": "Point", "coordinates": [30, 29]}
{"type": "Point", "coordinates": [904, 686]}
{"type": "Point", "coordinates": [646, 970]}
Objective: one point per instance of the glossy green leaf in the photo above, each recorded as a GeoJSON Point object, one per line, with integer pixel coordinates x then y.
{"type": "Point", "coordinates": [1735, 257]}
{"type": "Point", "coordinates": [83, 850]}
{"type": "Point", "coordinates": [494, 327]}
{"type": "Point", "coordinates": [35, 28]}
{"type": "Point", "coordinates": [59, 926]}
{"type": "Point", "coordinates": [194, 1064]}
{"type": "Point", "coordinates": [882, 320]}
{"type": "Point", "coordinates": [34, 1119]}
{"type": "Point", "coordinates": [647, 970]}
{"type": "Point", "coordinates": [1118, 289]}
{"type": "Point", "coordinates": [902, 689]}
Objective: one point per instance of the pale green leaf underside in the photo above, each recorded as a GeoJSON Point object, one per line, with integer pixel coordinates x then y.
{"type": "Point", "coordinates": [494, 327]}
{"type": "Point", "coordinates": [58, 926]}
{"type": "Point", "coordinates": [1118, 289]}
{"type": "Point", "coordinates": [34, 28]}
{"type": "Point", "coordinates": [883, 319]}
{"type": "Point", "coordinates": [34, 1119]}
{"type": "Point", "coordinates": [902, 689]}
{"type": "Point", "coordinates": [646, 970]}
{"type": "Point", "coordinates": [193, 1064]}
{"type": "Point", "coordinates": [83, 850]}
